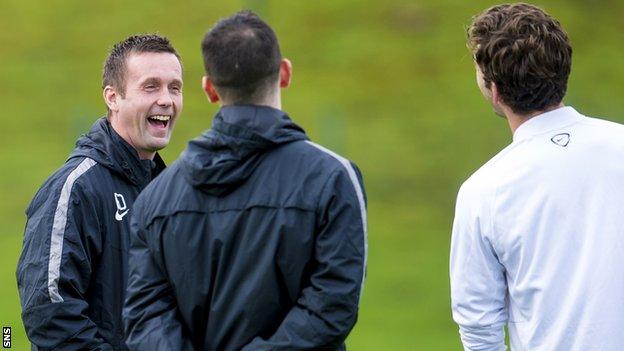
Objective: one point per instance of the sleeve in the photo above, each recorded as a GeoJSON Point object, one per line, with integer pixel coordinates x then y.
{"type": "Point", "coordinates": [61, 245]}
{"type": "Point", "coordinates": [326, 310]}
{"type": "Point", "coordinates": [478, 284]}
{"type": "Point", "coordinates": [150, 311]}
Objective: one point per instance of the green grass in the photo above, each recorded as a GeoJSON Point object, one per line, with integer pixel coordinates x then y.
{"type": "Point", "coordinates": [389, 84]}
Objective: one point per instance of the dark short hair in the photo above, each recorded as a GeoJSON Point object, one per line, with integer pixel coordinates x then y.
{"type": "Point", "coordinates": [114, 72]}
{"type": "Point", "coordinates": [241, 56]}
{"type": "Point", "coordinates": [525, 52]}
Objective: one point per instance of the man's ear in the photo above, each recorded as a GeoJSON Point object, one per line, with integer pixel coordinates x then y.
{"type": "Point", "coordinates": [496, 98]}
{"type": "Point", "coordinates": [210, 90]}
{"type": "Point", "coordinates": [110, 98]}
{"type": "Point", "coordinates": [285, 73]}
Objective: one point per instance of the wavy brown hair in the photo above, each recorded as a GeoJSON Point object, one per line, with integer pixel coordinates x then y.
{"type": "Point", "coordinates": [525, 52]}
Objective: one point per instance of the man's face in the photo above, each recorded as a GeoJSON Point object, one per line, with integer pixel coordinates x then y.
{"type": "Point", "coordinates": [487, 92]}
{"type": "Point", "coordinates": [145, 116]}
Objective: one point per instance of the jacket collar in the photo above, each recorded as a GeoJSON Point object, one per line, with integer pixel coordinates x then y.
{"type": "Point", "coordinates": [225, 156]}
{"type": "Point", "coordinates": [255, 123]}
{"type": "Point", "coordinates": [109, 149]}
{"type": "Point", "coordinates": [545, 122]}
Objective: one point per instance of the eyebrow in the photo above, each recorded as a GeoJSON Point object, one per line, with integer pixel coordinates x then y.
{"type": "Point", "coordinates": [151, 80]}
{"type": "Point", "coordinates": [178, 82]}
{"type": "Point", "coordinates": [154, 80]}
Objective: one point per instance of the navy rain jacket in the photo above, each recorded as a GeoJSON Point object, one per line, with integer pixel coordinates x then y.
{"type": "Point", "coordinates": [72, 272]}
{"type": "Point", "coordinates": [255, 239]}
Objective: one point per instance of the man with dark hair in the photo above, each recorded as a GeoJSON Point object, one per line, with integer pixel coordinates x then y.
{"type": "Point", "coordinates": [538, 228]}
{"type": "Point", "coordinates": [72, 271]}
{"type": "Point", "coordinates": [255, 239]}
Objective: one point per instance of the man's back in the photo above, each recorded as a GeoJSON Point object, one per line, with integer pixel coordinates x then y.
{"type": "Point", "coordinates": [545, 218]}
{"type": "Point", "coordinates": [238, 228]}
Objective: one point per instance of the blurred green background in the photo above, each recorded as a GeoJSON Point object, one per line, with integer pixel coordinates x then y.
{"type": "Point", "coordinates": [389, 84]}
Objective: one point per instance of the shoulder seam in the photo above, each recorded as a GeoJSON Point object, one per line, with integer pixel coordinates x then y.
{"type": "Point", "coordinates": [58, 228]}
{"type": "Point", "coordinates": [360, 196]}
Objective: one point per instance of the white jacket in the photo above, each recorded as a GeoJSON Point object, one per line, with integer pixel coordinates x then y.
{"type": "Point", "coordinates": [538, 239]}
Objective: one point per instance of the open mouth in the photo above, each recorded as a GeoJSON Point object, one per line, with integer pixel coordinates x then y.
{"type": "Point", "coordinates": [159, 120]}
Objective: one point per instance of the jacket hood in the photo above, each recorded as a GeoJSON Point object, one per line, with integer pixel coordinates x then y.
{"type": "Point", "coordinates": [223, 157]}
{"type": "Point", "coordinates": [109, 149]}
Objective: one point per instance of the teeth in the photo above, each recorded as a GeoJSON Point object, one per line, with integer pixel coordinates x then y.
{"type": "Point", "coordinates": [161, 118]}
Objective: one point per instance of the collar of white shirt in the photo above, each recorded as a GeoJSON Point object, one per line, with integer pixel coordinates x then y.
{"type": "Point", "coordinates": [545, 122]}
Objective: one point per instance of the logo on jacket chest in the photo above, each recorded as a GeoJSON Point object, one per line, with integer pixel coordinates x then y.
{"type": "Point", "coordinates": [122, 208]}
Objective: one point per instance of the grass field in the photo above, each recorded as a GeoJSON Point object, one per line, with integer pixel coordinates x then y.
{"type": "Point", "coordinates": [389, 84]}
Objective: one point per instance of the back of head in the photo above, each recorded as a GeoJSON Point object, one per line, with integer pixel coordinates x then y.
{"type": "Point", "coordinates": [242, 58]}
{"type": "Point", "coordinates": [525, 52]}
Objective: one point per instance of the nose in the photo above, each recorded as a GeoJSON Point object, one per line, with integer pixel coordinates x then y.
{"type": "Point", "coordinates": [165, 99]}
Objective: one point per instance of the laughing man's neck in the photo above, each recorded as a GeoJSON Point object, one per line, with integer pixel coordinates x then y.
{"type": "Point", "coordinates": [143, 155]}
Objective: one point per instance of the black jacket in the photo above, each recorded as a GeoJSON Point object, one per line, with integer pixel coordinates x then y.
{"type": "Point", "coordinates": [72, 272]}
{"type": "Point", "coordinates": [255, 239]}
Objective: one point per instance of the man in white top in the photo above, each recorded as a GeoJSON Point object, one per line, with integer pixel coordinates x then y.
{"type": "Point", "coordinates": [538, 237]}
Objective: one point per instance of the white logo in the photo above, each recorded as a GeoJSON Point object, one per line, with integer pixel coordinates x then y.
{"type": "Point", "coordinates": [121, 207]}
